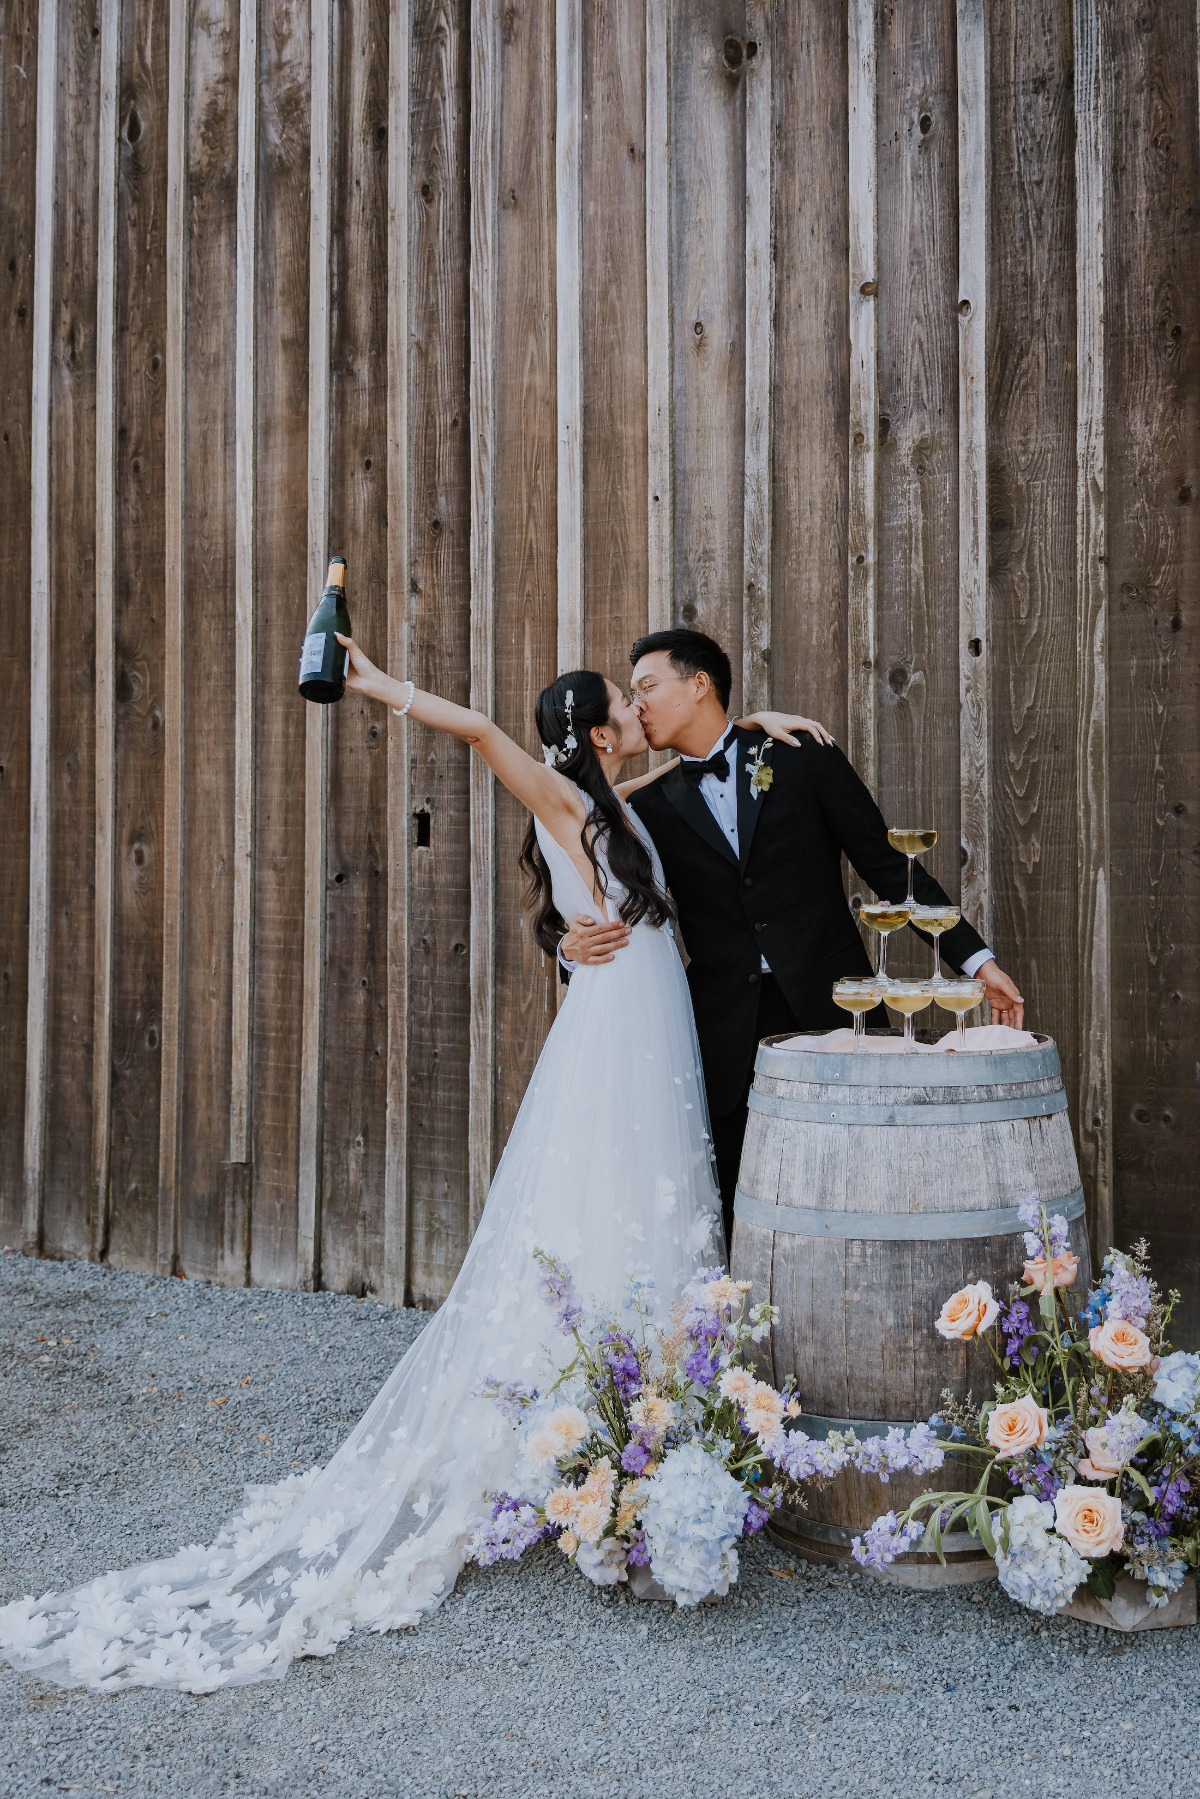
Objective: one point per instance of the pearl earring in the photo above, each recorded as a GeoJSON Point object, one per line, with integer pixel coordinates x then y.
{"type": "Point", "coordinates": [608, 747]}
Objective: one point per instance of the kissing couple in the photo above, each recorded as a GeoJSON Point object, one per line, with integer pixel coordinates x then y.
{"type": "Point", "coordinates": [620, 1161]}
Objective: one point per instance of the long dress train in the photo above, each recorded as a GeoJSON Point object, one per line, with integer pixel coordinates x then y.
{"type": "Point", "coordinates": [608, 1167]}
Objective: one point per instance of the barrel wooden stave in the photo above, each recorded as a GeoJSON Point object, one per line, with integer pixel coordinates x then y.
{"type": "Point", "coordinates": [857, 1314]}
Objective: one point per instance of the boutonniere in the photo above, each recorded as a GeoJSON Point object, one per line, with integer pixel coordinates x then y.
{"type": "Point", "coordinates": [761, 773]}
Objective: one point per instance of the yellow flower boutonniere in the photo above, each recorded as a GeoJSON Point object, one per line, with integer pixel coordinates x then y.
{"type": "Point", "coordinates": [761, 773]}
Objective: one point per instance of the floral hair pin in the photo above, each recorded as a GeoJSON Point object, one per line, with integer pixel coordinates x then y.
{"type": "Point", "coordinates": [551, 754]}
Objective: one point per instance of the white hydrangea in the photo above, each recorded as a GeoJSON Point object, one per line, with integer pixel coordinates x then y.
{"type": "Point", "coordinates": [604, 1563]}
{"type": "Point", "coordinates": [1038, 1569]}
{"type": "Point", "coordinates": [1177, 1381]}
{"type": "Point", "coordinates": [692, 1515]}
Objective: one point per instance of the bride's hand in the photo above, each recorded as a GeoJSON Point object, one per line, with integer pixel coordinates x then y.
{"type": "Point", "coordinates": [361, 672]}
{"type": "Point", "coordinates": [782, 724]}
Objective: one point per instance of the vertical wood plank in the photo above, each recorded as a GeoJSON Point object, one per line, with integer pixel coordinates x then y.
{"type": "Point", "coordinates": [395, 1169]}
{"type": "Point", "coordinates": [974, 638]}
{"type": "Point", "coordinates": [441, 428]}
{"type": "Point", "coordinates": [138, 475]}
{"type": "Point", "coordinates": [862, 456]}
{"type": "Point", "coordinates": [209, 779]}
{"type": "Point", "coordinates": [613, 337]}
{"type": "Point", "coordinates": [660, 526]}
{"type": "Point", "coordinates": [708, 76]}
{"type": "Point", "coordinates": [1152, 407]}
{"type": "Point", "coordinates": [281, 594]}
{"type": "Point", "coordinates": [760, 321]}
{"type": "Point", "coordinates": [1031, 427]}
{"type": "Point", "coordinates": [245, 382]}
{"type": "Point", "coordinates": [105, 686]}
{"type": "Point", "coordinates": [69, 633]}
{"type": "Point", "coordinates": [526, 508]}
{"type": "Point", "coordinates": [173, 688]}
{"type": "Point", "coordinates": [1093, 139]}
{"type": "Point", "coordinates": [19, 89]}
{"type": "Point", "coordinates": [483, 352]}
{"type": "Point", "coordinates": [811, 369]}
{"type": "Point", "coordinates": [316, 738]}
{"type": "Point", "coordinates": [354, 1080]}
{"type": "Point", "coordinates": [568, 274]}
{"type": "Point", "coordinates": [37, 985]}
{"type": "Point", "coordinates": [917, 607]}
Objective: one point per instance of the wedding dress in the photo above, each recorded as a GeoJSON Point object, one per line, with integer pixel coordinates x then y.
{"type": "Point", "coordinates": [608, 1167]}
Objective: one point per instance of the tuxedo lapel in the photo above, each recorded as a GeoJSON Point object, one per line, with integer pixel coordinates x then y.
{"type": "Point", "coordinates": [692, 807]}
{"type": "Point", "coordinates": [749, 802]}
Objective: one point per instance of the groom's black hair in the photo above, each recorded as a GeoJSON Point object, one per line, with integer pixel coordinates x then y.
{"type": "Point", "coordinates": [691, 653]}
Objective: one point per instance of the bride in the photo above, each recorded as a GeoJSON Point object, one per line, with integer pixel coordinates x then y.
{"type": "Point", "coordinates": [608, 1168]}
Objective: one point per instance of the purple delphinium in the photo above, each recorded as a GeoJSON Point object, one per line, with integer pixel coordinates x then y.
{"type": "Point", "coordinates": [509, 1397]}
{"type": "Point", "coordinates": [886, 1539]}
{"type": "Point", "coordinates": [756, 1516]}
{"type": "Point", "coordinates": [1171, 1493]}
{"type": "Point", "coordinates": [513, 1528]}
{"type": "Point", "coordinates": [634, 1456]}
{"type": "Point", "coordinates": [1048, 1240]}
{"type": "Point", "coordinates": [617, 1350]}
{"type": "Point", "coordinates": [1017, 1324]}
{"type": "Point", "coordinates": [637, 1555]}
{"type": "Point", "coordinates": [559, 1292]}
{"type": "Point", "coordinates": [701, 1368]}
{"type": "Point", "coordinates": [1129, 1294]}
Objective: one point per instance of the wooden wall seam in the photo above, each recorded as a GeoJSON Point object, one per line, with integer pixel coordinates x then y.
{"type": "Point", "coordinates": [660, 521]}
{"type": "Point", "coordinates": [39, 603]}
{"type": "Point", "coordinates": [760, 333]}
{"type": "Point", "coordinates": [1093, 150]}
{"type": "Point", "coordinates": [974, 642]}
{"type": "Point", "coordinates": [395, 1179]}
{"type": "Point", "coordinates": [863, 503]}
{"type": "Point", "coordinates": [568, 272]}
{"type": "Point", "coordinates": [484, 197]}
{"type": "Point", "coordinates": [316, 737]}
{"type": "Point", "coordinates": [105, 685]}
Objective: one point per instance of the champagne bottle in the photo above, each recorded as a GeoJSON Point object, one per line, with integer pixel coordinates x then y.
{"type": "Point", "coordinates": [322, 657]}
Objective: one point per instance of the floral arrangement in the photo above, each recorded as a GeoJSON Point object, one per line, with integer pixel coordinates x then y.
{"type": "Point", "coordinates": [657, 1448]}
{"type": "Point", "coordinates": [1094, 1428]}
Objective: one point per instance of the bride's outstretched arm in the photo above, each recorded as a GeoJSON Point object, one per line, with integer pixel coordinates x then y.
{"type": "Point", "coordinates": [547, 793]}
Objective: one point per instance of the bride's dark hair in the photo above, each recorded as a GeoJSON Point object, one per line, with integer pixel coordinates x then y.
{"type": "Point", "coordinates": [607, 826]}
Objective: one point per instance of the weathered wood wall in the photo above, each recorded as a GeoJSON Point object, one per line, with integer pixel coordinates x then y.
{"type": "Point", "coordinates": [865, 336]}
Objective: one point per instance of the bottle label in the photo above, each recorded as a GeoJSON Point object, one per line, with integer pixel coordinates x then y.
{"type": "Point", "coordinates": [312, 656]}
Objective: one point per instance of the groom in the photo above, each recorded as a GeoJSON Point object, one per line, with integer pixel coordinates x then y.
{"type": "Point", "coordinates": [751, 833]}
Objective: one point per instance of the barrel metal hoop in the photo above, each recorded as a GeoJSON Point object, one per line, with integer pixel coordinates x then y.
{"type": "Point", "coordinates": [976, 1111]}
{"type": "Point", "coordinates": [954, 1542]}
{"type": "Point", "coordinates": [814, 1424]}
{"type": "Point", "coordinates": [893, 1227]}
{"type": "Point", "coordinates": [864, 1068]}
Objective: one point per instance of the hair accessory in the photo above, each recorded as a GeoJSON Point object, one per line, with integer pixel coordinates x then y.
{"type": "Point", "coordinates": [551, 754]}
{"type": "Point", "coordinates": [399, 711]}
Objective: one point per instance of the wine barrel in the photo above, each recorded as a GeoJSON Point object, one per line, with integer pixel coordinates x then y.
{"type": "Point", "coordinates": [872, 1186]}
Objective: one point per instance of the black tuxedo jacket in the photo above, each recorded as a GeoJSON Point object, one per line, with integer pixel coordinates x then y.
{"type": "Point", "coordinates": [781, 897]}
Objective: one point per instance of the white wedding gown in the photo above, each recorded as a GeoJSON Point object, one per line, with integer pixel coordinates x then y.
{"type": "Point", "coordinates": [607, 1167]}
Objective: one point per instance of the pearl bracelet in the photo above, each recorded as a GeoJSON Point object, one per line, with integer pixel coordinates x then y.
{"type": "Point", "coordinates": [399, 711]}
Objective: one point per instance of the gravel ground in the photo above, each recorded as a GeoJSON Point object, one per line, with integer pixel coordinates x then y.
{"type": "Point", "coordinates": [133, 1409]}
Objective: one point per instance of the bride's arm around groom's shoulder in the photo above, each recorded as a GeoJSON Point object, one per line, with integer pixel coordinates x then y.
{"type": "Point", "coordinates": [548, 794]}
{"type": "Point", "coordinates": [780, 725]}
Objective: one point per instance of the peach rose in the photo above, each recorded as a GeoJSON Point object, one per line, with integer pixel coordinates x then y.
{"type": "Point", "coordinates": [1120, 1344]}
{"type": "Point", "coordinates": [1066, 1267]}
{"type": "Point", "coordinates": [1090, 1521]}
{"type": "Point", "coordinates": [1018, 1425]}
{"type": "Point", "coordinates": [971, 1310]}
{"type": "Point", "coordinates": [1100, 1462]}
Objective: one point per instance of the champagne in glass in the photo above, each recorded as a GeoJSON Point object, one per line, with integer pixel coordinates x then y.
{"type": "Point", "coordinates": [858, 995]}
{"type": "Point", "coordinates": [322, 658]}
{"type": "Point", "coordinates": [911, 843]}
{"type": "Point", "coordinates": [909, 998]}
{"type": "Point", "coordinates": [960, 997]}
{"type": "Point", "coordinates": [935, 920]}
{"type": "Point", "coordinates": [884, 917]}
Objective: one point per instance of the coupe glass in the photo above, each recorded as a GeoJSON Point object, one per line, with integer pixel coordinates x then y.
{"type": "Point", "coordinates": [911, 843]}
{"type": "Point", "coordinates": [935, 920]}
{"type": "Point", "coordinates": [884, 917]}
{"type": "Point", "coordinates": [959, 997]}
{"type": "Point", "coordinates": [909, 998]}
{"type": "Point", "coordinates": [859, 996]}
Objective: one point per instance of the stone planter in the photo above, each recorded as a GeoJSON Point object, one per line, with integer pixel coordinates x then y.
{"type": "Point", "coordinates": [1129, 1608]}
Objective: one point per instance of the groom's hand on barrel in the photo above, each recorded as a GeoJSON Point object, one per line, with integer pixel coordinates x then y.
{"type": "Point", "coordinates": [587, 942]}
{"type": "Point", "coordinates": [1001, 995]}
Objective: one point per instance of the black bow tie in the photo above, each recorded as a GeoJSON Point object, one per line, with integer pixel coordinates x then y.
{"type": "Point", "coordinates": [717, 764]}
